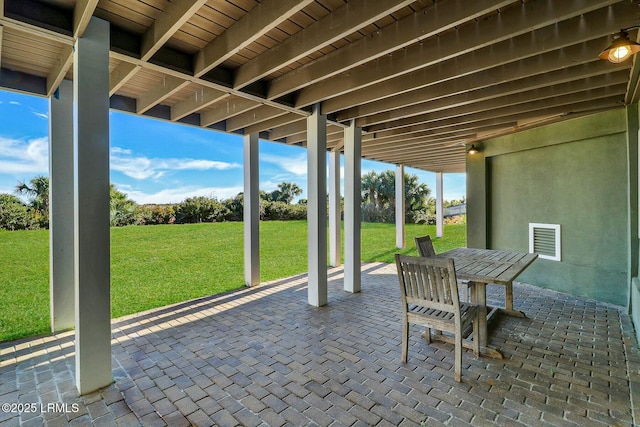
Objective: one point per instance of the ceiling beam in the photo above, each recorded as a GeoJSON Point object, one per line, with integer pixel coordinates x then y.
{"type": "Point", "coordinates": [226, 109]}
{"type": "Point", "coordinates": [443, 77]}
{"type": "Point", "coordinates": [166, 25]}
{"type": "Point", "coordinates": [288, 130]}
{"type": "Point", "coordinates": [503, 80]}
{"type": "Point", "coordinates": [253, 116]}
{"type": "Point", "coordinates": [328, 29]}
{"type": "Point", "coordinates": [484, 45]}
{"type": "Point", "coordinates": [82, 14]}
{"type": "Point", "coordinates": [334, 133]}
{"type": "Point", "coordinates": [164, 89]}
{"type": "Point", "coordinates": [187, 77]}
{"type": "Point", "coordinates": [1, 29]}
{"type": "Point", "coordinates": [272, 123]}
{"type": "Point", "coordinates": [201, 98]}
{"type": "Point", "coordinates": [260, 20]}
{"type": "Point", "coordinates": [60, 69]}
{"type": "Point", "coordinates": [489, 108]}
{"type": "Point", "coordinates": [489, 99]}
{"type": "Point", "coordinates": [439, 17]}
{"type": "Point", "coordinates": [120, 75]}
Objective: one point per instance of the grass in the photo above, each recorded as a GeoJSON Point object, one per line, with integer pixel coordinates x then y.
{"type": "Point", "coordinates": [154, 266]}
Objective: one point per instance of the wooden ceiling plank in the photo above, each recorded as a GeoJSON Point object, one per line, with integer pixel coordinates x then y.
{"type": "Point", "coordinates": [479, 47]}
{"type": "Point", "coordinates": [482, 85]}
{"type": "Point", "coordinates": [343, 21]}
{"type": "Point", "coordinates": [226, 109]}
{"type": "Point", "coordinates": [60, 69]}
{"type": "Point", "coordinates": [121, 75]}
{"type": "Point", "coordinates": [256, 115]}
{"type": "Point", "coordinates": [272, 123]}
{"type": "Point", "coordinates": [494, 97]}
{"type": "Point", "coordinates": [202, 98]}
{"type": "Point", "coordinates": [418, 26]}
{"type": "Point", "coordinates": [483, 110]}
{"type": "Point", "coordinates": [445, 73]}
{"type": "Point", "coordinates": [586, 101]}
{"type": "Point", "coordinates": [160, 92]}
{"type": "Point", "coordinates": [82, 14]}
{"type": "Point", "coordinates": [259, 21]}
{"type": "Point", "coordinates": [169, 22]}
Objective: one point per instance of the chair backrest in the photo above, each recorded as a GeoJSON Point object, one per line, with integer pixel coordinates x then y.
{"type": "Point", "coordinates": [425, 246]}
{"type": "Point", "coordinates": [428, 282]}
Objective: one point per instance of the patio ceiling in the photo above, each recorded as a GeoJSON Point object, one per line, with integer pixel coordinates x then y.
{"type": "Point", "coordinates": [422, 78]}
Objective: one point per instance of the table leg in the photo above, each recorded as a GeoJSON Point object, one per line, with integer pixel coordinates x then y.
{"type": "Point", "coordinates": [479, 297]}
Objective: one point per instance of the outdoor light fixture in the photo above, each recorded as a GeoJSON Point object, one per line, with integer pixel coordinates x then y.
{"type": "Point", "coordinates": [472, 150]}
{"type": "Point", "coordinates": [621, 49]}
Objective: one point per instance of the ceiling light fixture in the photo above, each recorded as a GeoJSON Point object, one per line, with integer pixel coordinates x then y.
{"type": "Point", "coordinates": [621, 49]}
{"type": "Point", "coordinates": [472, 150]}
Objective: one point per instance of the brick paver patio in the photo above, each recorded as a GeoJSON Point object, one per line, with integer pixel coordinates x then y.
{"type": "Point", "coordinates": [262, 356]}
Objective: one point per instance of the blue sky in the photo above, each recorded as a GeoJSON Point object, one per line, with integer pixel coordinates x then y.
{"type": "Point", "coordinates": [154, 161]}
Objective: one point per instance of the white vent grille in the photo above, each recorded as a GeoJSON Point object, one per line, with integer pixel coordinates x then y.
{"type": "Point", "coordinates": [544, 240]}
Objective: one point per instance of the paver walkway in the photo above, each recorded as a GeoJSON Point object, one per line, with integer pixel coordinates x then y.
{"type": "Point", "coordinates": [262, 356]}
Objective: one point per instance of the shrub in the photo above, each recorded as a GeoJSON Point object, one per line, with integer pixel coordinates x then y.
{"type": "Point", "coordinates": [282, 211]}
{"type": "Point", "coordinates": [200, 209]}
{"type": "Point", "coordinates": [156, 214]}
{"type": "Point", "coordinates": [14, 215]}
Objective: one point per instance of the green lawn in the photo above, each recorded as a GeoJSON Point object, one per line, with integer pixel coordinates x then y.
{"type": "Point", "coordinates": [153, 266]}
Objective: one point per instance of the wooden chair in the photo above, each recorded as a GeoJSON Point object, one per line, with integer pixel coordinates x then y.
{"type": "Point", "coordinates": [425, 246]}
{"type": "Point", "coordinates": [426, 249]}
{"type": "Point", "coordinates": [429, 291]}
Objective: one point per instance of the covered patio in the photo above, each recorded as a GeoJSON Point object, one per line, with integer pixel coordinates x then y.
{"type": "Point", "coordinates": [261, 356]}
{"type": "Point", "coordinates": [412, 83]}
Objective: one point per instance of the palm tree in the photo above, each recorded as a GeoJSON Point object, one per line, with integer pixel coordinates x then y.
{"type": "Point", "coordinates": [37, 190]}
{"type": "Point", "coordinates": [287, 191]}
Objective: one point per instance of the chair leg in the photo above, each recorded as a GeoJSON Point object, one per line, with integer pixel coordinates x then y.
{"type": "Point", "coordinates": [458, 355]}
{"type": "Point", "coordinates": [405, 340]}
{"type": "Point", "coordinates": [427, 335]}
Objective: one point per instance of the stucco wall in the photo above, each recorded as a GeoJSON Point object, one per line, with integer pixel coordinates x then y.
{"type": "Point", "coordinates": [574, 174]}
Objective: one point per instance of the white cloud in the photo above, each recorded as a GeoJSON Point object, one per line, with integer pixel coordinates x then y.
{"type": "Point", "coordinates": [14, 103]}
{"type": "Point", "coordinates": [176, 195]}
{"type": "Point", "coordinates": [40, 115]}
{"type": "Point", "coordinates": [24, 157]}
{"type": "Point", "coordinates": [141, 167]}
{"type": "Point", "coordinates": [296, 165]}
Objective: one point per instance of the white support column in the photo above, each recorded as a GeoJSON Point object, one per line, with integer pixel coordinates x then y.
{"type": "Point", "coordinates": [439, 209]}
{"type": "Point", "coordinates": [335, 243]}
{"type": "Point", "coordinates": [400, 206]}
{"type": "Point", "coordinates": [317, 206]}
{"type": "Point", "coordinates": [61, 211]}
{"type": "Point", "coordinates": [352, 208]}
{"type": "Point", "coordinates": [91, 206]}
{"type": "Point", "coordinates": [251, 211]}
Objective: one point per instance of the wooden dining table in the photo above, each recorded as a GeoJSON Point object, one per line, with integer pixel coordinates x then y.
{"type": "Point", "coordinates": [482, 267]}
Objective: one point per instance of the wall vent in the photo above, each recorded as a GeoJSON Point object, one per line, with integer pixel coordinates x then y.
{"type": "Point", "coordinates": [544, 240]}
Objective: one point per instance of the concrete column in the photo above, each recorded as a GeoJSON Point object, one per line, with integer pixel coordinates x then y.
{"type": "Point", "coordinates": [439, 208]}
{"type": "Point", "coordinates": [335, 243]}
{"type": "Point", "coordinates": [352, 207]}
{"type": "Point", "coordinates": [91, 206]}
{"type": "Point", "coordinates": [61, 211]}
{"type": "Point", "coordinates": [317, 206]}
{"type": "Point", "coordinates": [251, 211]}
{"type": "Point", "coordinates": [400, 206]}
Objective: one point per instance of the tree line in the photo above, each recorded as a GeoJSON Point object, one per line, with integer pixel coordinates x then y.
{"type": "Point", "coordinates": [378, 205]}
